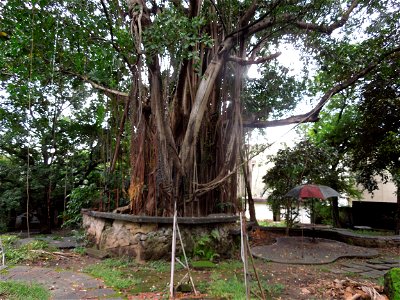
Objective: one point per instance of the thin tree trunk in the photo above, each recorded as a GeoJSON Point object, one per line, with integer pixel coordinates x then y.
{"type": "Point", "coordinates": [250, 200]}
{"type": "Point", "coordinates": [397, 230]}
{"type": "Point", "coordinates": [335, 212]}
{"type": "Point", "coordinates": [120, 132]}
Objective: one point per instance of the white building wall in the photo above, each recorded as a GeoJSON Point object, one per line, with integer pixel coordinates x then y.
{"type": "Point", "coordinates": [386, 193]}
{"type": "Point", "coordinates": [264, 212]}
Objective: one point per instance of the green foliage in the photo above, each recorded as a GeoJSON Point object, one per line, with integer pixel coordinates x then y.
{"type": "Point", "coordinates": [81, 197]}
{"type": "Point", "coordinates": [230, 265]}
{"type": "Point", "coordinates": [203, 264]}
{"type": "Point", "coordinates": [392, 283]}
{"type": "Point", "coordinates": [15, 290]}
{"type": "Point", "coordinates": [231, 288]}
{"type": "Point", "coordinates": [303, 163]}
{"type": "Point", "coordinates": [16, 254]}
{"type": "Point", "coordinates": [52, 51]}
{"type": "Point", "coordinates": [269, 223]}
{"type": "Point", "coordinates": [9, 240]}
{"type": "Point", "coordinates": [173, 33]}
{"type": "Point", "coordinates": [372, 232]}
{"type": "Point", "coordinates": [11, 191]}
{"type": "Point", "coordinates": [273, 290]}
{"type": "Point", "coordinates": [80, 250]}
{"type": "Point", "coordinates": [160, 266]}
{"type": "Point", "coordinates": [320, 212]}
{"type": "Point", "coordinates": [376, 148]}
{"type": "Point", "coordinates": [262, 99]}
{"type": "Point", "coordinates": [205, 246]}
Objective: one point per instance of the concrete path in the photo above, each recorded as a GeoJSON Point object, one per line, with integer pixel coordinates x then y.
{"type": "Point", "coordinates": [63, 242]}
{"type": "Point", "coordinates": [370, 269]}
{"type": "Point", "coordinates": [298, 250]}
{"type": "Point", "coordinates": [63, 284]}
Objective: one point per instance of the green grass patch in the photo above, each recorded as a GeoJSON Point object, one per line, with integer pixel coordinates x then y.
{"type": "Point", "coordinates": [269, 223]}
{"type": "Point", "coordinates": [15, 254]}
{"type": "Point", "coordinates": [273, 290]}
{"type": "Point", "coordinates": [79, 250]}
{"type": "Point", "coordinates": [114, 273]}
{"type": "Point", "coordinates": [203, 264]}
{"type": "Point", "coordinates": [230, 265]}
{"type": "Point", "coordinates": [14, 290]}
{"type": "Point", "coordinates": [233, 288]}
{"type": "Point", "coordinates": [160, 266]}
{"type": "Point", "coordinates": [372, 232]}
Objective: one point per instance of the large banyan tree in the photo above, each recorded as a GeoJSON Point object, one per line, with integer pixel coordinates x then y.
{"type": "Point", "coordinates": [175, 72]}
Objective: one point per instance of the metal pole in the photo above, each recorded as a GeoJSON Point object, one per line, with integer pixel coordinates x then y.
{"type": "Point", "coordinates": [244, 255]}
{"type": "Point", "coordinates": [171, 285]}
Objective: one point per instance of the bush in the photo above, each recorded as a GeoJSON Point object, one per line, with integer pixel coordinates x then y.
{"type": "Point", "coordinates": [80, 197]}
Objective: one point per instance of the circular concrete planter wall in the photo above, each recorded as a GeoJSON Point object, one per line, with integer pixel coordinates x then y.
{"type": "Point", "coordinates": [150, 238]}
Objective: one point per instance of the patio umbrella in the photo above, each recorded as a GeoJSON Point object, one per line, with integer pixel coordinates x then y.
{"type": "Point", "coordinates": [312, 191]}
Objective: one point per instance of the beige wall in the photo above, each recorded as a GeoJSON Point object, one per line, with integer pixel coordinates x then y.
{"type": "Point", "coordinates": [385, 193]}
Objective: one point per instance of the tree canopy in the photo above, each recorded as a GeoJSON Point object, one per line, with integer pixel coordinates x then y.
{"type": "Point", "coordinates": [162, 86]}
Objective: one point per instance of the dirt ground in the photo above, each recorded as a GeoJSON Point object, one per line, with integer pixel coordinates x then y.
{"type": "Point", "coordinates": [297, 281]}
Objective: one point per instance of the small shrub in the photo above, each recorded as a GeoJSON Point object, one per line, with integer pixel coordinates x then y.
{"type": "Point", "coordinates": [80, 250]}
{"type": "Point", "coordinates": [204, 247]}
{"type": "Point", "coordinates": [80, 197]}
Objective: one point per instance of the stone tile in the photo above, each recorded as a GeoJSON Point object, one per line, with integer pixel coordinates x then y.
{"type": "Point", "coordinates": [352, 270]}
{"type": "Point", "coordinates": [380, 266]}
{"type": "Point", "coordinates": [62, 285]}
{"type": "Point", "coordinates": [376, 261]}
{"type": "Point", "coordinates": [99, 293]}
{"type": "Point", "coordinates": [337, 271]}
{"type": "Point", "coordinates": [391, 260]}
{"type": "Point", "coordinates": [359, 266]}
{"type": "Point", "coordinates": [373, 274]}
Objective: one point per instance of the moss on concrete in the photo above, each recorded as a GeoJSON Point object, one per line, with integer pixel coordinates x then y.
{"type": "Point", "coordinates": [392, 284]}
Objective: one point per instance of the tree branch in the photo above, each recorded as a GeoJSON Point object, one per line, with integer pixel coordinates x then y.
{"type": "Point", "coordinates": [266, 22]}
{"type": "Point", "coordinates": [107, 91]}
{"type": "Point", "coordinates": [329, 28]}
{"type": "Point", "coordinates": [313, 115]}
{"type": "Point", "coordinates": [261, 60]}
{"type": "Point", "coordinates": [115, 46]}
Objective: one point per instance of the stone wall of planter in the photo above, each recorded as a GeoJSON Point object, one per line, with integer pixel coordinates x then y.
{"type": "Point", "coordinates": [147, 238]}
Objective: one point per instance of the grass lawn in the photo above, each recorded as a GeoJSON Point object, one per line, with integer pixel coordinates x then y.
{"type": "Point", "coordinates": [15, 290]}
{"type": "Point", "coordinates": [219, 280]}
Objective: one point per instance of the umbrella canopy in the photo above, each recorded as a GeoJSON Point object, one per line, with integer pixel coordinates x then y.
{"type": "Point", "coordinates": [312, 191]}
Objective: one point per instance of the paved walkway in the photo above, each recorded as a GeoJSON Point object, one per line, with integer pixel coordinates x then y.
{"type": "Point", "coordinates": [63, 242]}
{"type": "Point", "coordinates": [297, 250]}
{"type": "Point", "coordinates": [305, 250]}
{"type": "Point", "coordinates": [63, 284]}
{"type": "Point", "coordinates": [371, 269]}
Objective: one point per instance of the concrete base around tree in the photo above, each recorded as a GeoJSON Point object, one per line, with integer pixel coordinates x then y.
{"type": "Point", "coordinates": [150, 238]}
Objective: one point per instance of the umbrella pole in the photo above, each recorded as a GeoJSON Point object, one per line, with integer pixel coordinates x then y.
{"type": "Point", "coordinates": [302, 241]}
{"type": "Point", "coordinates": [313, 222]}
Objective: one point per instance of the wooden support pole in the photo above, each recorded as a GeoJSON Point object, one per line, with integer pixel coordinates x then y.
{"type": "Point", "coordinates": [173, 251]}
